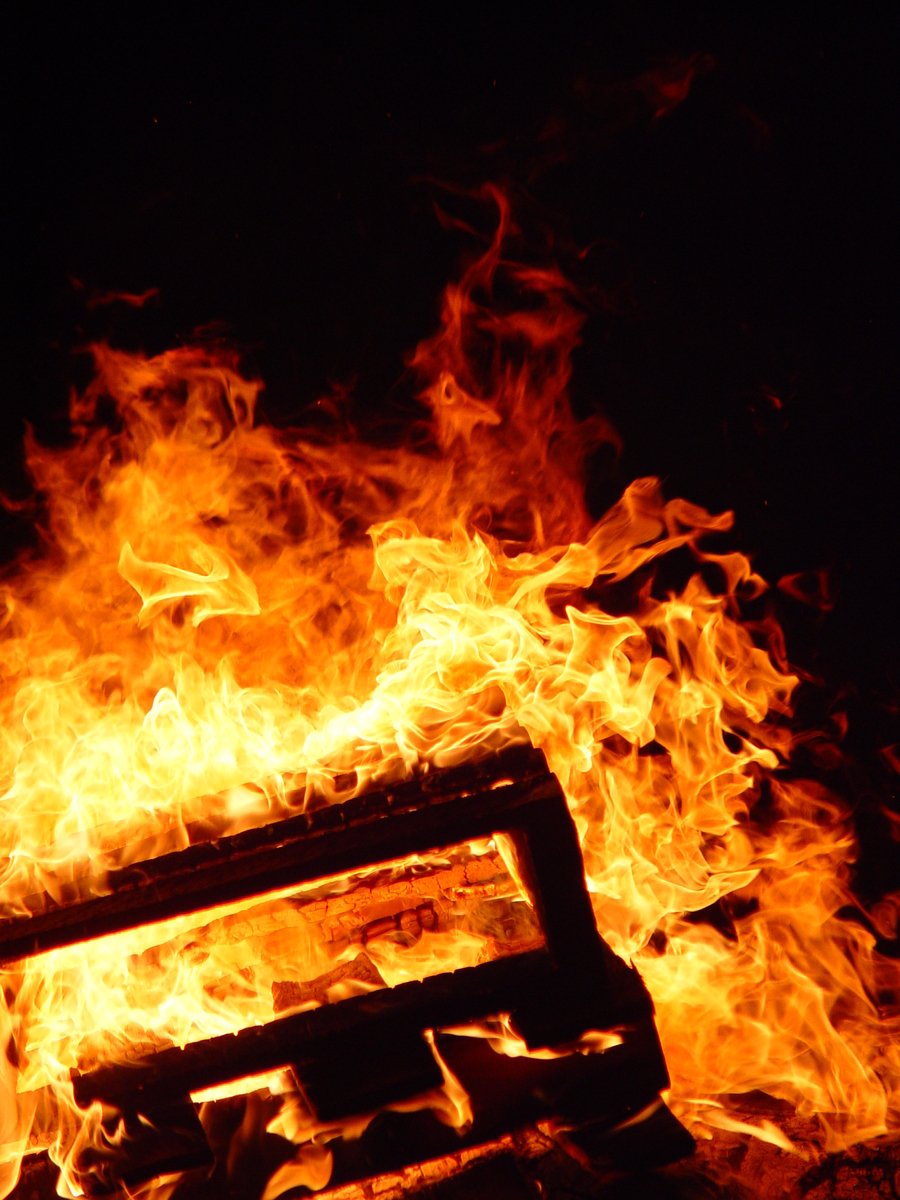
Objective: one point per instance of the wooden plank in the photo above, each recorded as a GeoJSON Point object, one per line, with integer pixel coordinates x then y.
{"type": "Point", "coordinates": [366, 1051]}
{"type": "Point", "coordinates": [440, 808]}
{"type": "Point", "coordinates": [366, 1075]}
{"type": "Point", "coordinates": [442, 1001]}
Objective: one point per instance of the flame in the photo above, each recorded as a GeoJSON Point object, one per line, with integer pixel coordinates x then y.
{"type": "Point", "coordinates": [227, 621]}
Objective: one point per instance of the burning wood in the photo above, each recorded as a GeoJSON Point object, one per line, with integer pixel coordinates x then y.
{"type": "Point", "coordinates": [371, 1051]}
{"type": "Point", "coordinates": [287, 994]}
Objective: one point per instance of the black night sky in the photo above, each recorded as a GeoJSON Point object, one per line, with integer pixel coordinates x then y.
{"type": "Point", "coordinates": [274, 172]}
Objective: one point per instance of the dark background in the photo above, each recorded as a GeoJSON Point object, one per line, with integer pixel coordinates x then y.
{"type": "Point", "coordinates": [271, 171]}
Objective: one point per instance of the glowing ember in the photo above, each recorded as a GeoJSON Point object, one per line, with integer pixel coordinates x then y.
{"type": "Point", "coordinates": [228, 620]}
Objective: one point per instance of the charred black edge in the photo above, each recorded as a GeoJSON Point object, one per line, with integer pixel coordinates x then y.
{"type": "Point", "coordinates": [594, 1097]}
{"type": "Point", "coordinates": [554, 994]}
{"type": "Point", "coordinates": [317, 1035]}
{"type": "Point", "coordinates": [438, 807]}
{"type": "Point", "coordinates": [598, 987]}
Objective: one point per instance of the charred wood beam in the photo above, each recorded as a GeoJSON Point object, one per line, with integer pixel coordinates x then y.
{"type": "Point", "coordinates": [308, 1041]}
{"type": "Point", "coordinates": [604, 1090]}
{"type": "Point", "coordinates": [511, 791]}
{"type": "Point", "coordinates": [364, 1075]}
{"type": "Point", "coordinates": [317, 1035]}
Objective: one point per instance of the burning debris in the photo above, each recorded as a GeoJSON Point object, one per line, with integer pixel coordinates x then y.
{"type": "Point", "coordinates": [241, 645]}
{"type": "Point", "coordinates": [363, 1054]}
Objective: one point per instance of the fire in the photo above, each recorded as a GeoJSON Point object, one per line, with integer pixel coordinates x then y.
{"type": "Point", "coordinates": [229, 621]}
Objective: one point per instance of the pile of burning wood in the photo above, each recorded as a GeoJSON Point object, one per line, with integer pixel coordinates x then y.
{"type": "Point", "coordinates": [588, 1068]}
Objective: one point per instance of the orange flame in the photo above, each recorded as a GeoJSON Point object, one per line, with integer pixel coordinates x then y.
{"type": "Point", "coordinates": [228, 619]}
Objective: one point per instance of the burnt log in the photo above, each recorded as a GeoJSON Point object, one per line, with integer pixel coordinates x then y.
{"type": "Point", "coordinates": [496, 1178]}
